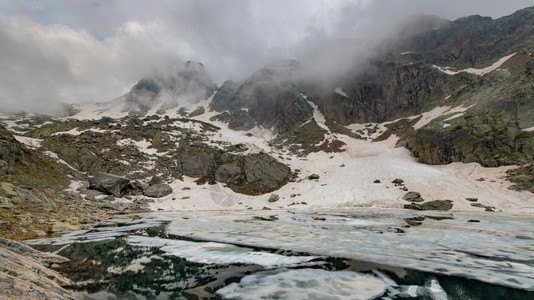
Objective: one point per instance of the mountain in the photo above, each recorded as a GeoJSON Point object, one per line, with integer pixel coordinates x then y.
{"type": "Point", "coordinates": [403, 122]}
{"type": "Point", "coordinates": [190, 84]}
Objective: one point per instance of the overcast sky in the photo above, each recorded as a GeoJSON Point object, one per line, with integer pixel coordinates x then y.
{"type": "Point", "coordinates": [95, 50]}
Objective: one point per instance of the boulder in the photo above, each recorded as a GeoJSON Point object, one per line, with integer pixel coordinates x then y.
{"type": "Point", "coordinates": [108, 183]}
{"type": "Point", "coordinates": [313, 177]}
{"type": "Point", "coordinates": [197, 112]}
{"type": "Point", "coordinates": [157, 190]}
{"type": "Point", "coordinates": [398, 181]}
{"type": "Point", "coordinates": [430, 205]}
{"type": "Point", "coordinates": [265, 172]}
{"type": "Point", "coordinates": [437, 205]}
{"type": "Point", "coordinates": [413, 197]}
{"type": "Point", "coordinates": [274, 198]}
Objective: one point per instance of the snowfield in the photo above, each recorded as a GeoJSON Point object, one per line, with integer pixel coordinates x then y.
{"type": "Point", "coordinates": [347, 179]}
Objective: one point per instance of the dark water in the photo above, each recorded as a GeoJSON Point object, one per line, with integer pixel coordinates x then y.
{"type": "Point", "coordinates": [113, 267]}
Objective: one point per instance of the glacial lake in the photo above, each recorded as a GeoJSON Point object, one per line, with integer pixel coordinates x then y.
{"type": "Point", "coordinates": [327, 254]}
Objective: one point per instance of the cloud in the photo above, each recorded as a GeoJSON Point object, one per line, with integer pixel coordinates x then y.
{"type": "Point", "coordinates": [94, 50]}
{"type": "Point", "coordinates": [51, 64]}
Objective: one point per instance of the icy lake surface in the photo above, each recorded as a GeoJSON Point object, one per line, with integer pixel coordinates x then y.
{"type": "Point", "coordinates": [337, 254]}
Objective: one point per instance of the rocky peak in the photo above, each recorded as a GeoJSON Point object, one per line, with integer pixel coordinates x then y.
{"type": "Point", "coordinates": [190, 84]}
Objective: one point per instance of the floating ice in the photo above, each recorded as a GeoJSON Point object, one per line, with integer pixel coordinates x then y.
{"type": "Point", "coordinates": [305, 284]}
{"type": "Point", "coordinates": [216, 253]}
{"type": "Point", "coordinates": [488, 251]}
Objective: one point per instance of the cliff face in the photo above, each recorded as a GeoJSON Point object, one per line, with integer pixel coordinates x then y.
{"type": "Point", "coordinates": [268, 97]}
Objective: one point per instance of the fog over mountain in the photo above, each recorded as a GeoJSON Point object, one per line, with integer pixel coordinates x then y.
{"type": "Point", "coordinates": [75, 51]}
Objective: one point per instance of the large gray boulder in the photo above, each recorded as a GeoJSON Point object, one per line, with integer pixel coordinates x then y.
{"type": "Point", "coordinates": [265, 172]}
{"type": "Point", "coordinates": [157, 190]}
{"type": "Point", "coordinates": [108, 183]}
{"type": "Point", "coordinates": [430, 205]}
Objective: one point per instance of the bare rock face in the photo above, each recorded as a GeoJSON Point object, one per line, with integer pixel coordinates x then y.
{"type": "Point", "coordinates": [24, 276]}
{"type": "Point", "coordinates": [108, 183]}
{"type": "Point", "coordinates": [269, 97]}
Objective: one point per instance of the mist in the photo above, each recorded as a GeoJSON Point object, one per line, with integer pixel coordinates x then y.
{"type": "Point", "coordinates": [75, 51]}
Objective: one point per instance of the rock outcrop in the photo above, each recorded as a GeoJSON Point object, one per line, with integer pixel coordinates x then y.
{"type": "Point", "coordinates": [23, 274]}
{"type": "Point", "coordinates": [249, 174]}
{"type": "Point", "coordinates": [108, 183]}
{"type": "Point", "coordinates": [157, 190]}
{"type": "Point", "coordinates": [431, 205]}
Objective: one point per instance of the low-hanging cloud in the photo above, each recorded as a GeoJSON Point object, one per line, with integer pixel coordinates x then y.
{"type": "Point", "coordinates": [74, 51]}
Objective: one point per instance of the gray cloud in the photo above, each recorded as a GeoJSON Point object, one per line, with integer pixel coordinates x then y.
{"type": "Point", "coordinates": [73, 51]}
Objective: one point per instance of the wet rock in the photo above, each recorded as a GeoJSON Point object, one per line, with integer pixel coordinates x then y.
{"type": "Point", "coordinates": [413, 197]}
{"type": "Point", "coordinates": [313, 177]}
{"type": "Point", "coordinates": [157, 190]}
{"type": "Point", "coordinates": [274, 198]}
{"type": "Point", "coordinates": [472, 199]}
{"type": "Point", "coordinates": [108, 183]}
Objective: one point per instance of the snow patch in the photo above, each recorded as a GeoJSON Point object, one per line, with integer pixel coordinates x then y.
{"type": "Point", "coordinates": [30, 142]}
{"type": "Point", "coordinates": [340, 91]}
{"type": "Point", "coordinates": [480, 72]}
